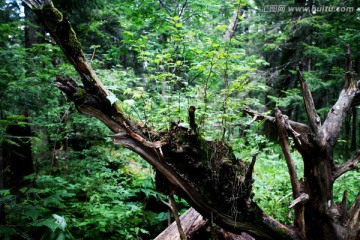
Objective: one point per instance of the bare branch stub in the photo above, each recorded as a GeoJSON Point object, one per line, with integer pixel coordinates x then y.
{"type": "Point", "coordinates": [192, 123]}
{"type": "Point", "coordinates": [302, 199]}
{"type": "Point", "coordinates": [353, 221]}
{"type": "Point", "coordinates": [248, 176]}
{"type": "Point", "coordinates": [348, 69]}
{"type": "Point", "coordinates": [344, 207]}
{"type": "Point", "coordinates": [259, 116]}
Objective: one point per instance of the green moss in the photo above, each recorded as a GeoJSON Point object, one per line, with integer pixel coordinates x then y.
{"type": "Point", "coordinates": [74, 43]}
{"type": "Point", "coordinates": [50, 14]}
{"type": "Point", "coordinates": [80, 92]}
{"type": "Point", "coordinates": [60, 29]}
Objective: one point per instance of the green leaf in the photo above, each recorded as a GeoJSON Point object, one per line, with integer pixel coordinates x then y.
{"type": "Point", "coordinates": [61, 236]}
{"type": "Point", "coordinates": [34, 212]}
{"type": "Point", "coordinates": [4, 192]}
{"type": "Point", "coordinates": [49, 222]}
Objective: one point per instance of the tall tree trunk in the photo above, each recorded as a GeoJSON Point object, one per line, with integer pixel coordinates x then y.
{"type": "Point", "coordinates": [17, 156]}
{"type": "Point", "coordinates": [318, 184]}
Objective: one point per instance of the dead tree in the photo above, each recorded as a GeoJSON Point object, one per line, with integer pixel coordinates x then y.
{"type": "Point", "coordinates": [221, 191]}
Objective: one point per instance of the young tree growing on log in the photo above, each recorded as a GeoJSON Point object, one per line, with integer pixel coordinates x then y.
{"type": "Point", "coordinates": [181, 160]}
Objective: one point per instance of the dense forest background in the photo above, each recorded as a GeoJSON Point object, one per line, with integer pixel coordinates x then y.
{"type": "Point", "coordinates": [61, 176]}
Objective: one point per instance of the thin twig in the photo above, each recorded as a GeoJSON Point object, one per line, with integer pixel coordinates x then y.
{"type": "Point", "coordinates": [172, 206]}
{"type": "Point", "coordinates": [164, 6]}
{"type": "Point", "coordinates": [183, 8]}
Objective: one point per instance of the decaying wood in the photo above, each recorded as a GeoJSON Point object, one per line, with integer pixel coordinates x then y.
{"type": "Point", "coordinates": [248, 175]}
{"type": "Point", "coordinates": [316, 145]}
{"type": "Point", "coordinates": [297, 129]}
{"type": "Point", "coordinates": [284, 143]}
{"type": "Point", "coordinates": [299, 220]}
{"type": "Point", "coordinates": [192, 123]}
{"type": "Point", "coordinates": [176, 217]}
{"type": "Point", "coordinates": [191, 221]}
{"type": "Point", "coordinates": [349, 165]}
{"type": "Point", "coordinates": [207, 174]}
{"type": "Point", "coordinates": [344, 207]}
{"type": "Point", "coordinates": [302, 199]}
{"type": "Point", "coordinates": [332, 124]}
{"type": "Point", "coordinates": [313, 118]}
{"type": "Point", "coordinates": [353, 221]}
{"type": "Point", "coordinates": [195, 225]}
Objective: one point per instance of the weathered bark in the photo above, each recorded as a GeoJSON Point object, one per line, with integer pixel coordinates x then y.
{"type": "Point", "coordinates": [347, 135]}
{"type": "Point", "coordinates": [281, 123]}
{"type": "Point", "coordinates": [196, 227]}
{"type": "Point", "coordinates": [191, 222]}
{"type": "Point", "coordinates": [353, 129]}
{"type": "Point", "coordinates": [313, 119]}
{"type": "Point", "coordinates": [206, 173]}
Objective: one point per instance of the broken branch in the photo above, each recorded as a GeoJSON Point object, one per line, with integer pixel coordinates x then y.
{"type": "Point", "coordinates": [294, 126]}
{"type": "Point", "coordinates": [313, 117]}
{"type": "Point", "coordinates": [176, 216]}
{"type": "Point", "coordinates": [248, 175]}
{"type": "Point", "coordinates": [280, 122]}
{"type": "Point", "coordinates": [302, 199]}
{"type": "Point", "coordinates": [333, 122]}
{"type": "Point", "coordinates": [344, 207]}
{"type": "Point", "coordinates": [173, 208]}
{"type": "Point", "coordinates": [295, 184]}
{"type": "Point", "coordinates": [354, 217]}
{"type": "Point", "coordinates": [349, 165]}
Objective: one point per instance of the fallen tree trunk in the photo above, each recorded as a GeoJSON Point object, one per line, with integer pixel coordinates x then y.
{"type": "Point", "coordinates": [179, 155]}
{"type": "Point", "coordinates": [191, 221]}
{"type": "Point", "coordinates": [206, 173]}
{"type": "Point", "coordinates": [196, 227]}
